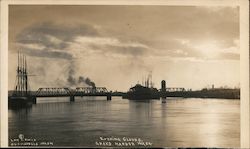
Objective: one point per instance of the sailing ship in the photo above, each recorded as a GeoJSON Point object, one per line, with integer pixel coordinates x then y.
{"type": "Point", "coordinates": [21, 95]}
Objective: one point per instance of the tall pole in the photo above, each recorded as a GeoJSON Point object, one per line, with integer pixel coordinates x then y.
{"type": "Point", "coordinates": [26, 77]}
{"type": "Point", "coordinates": [21, 73]}
{"type": "Point", "coordinates": [23, 76]}
{"type": "Point", "coordinates": [18, 81]}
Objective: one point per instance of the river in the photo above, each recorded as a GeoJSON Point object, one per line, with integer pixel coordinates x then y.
{"type": "Point", "coordinates": [88, 121]}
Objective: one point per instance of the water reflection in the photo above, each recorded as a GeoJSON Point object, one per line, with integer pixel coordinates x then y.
{"type": "Point", "coordinates": [20, 112]}
{"type": "Point", "coordinates": [179, 122]}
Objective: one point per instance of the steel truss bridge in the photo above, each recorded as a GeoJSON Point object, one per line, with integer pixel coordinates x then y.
{"type": "Point", "coordinates": [174, 89]}
{"type": "Point", "coordinates": [72, 93]}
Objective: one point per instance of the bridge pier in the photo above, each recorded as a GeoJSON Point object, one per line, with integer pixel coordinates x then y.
{"type": "Point", "coordinates": [72, 98]}
{"type": "Point", "coordinates": [109, 97]}
{"type": "Point", "coordinates": [163, 99]}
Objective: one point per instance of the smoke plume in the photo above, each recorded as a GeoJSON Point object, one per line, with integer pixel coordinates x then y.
{"type": "Point", "coordinates": [72, 80]}
{"type": "Point", "coordinates": [89, 82]}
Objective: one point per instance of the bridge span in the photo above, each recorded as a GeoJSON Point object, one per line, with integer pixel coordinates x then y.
{"type": "Point", "coordinates": [72, 93]}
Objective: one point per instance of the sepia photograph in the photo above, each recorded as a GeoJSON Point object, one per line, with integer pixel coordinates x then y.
{"type": "Point", "coordinates": [122, 75]}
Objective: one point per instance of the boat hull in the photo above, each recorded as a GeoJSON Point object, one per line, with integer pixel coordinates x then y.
{"type": "Point", "coordinates": [19, 101]}
{"type": "Point", "coordinates": [142, 93]}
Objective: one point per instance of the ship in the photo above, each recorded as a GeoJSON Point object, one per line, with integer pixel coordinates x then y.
{"type": "Point", "coordinates": [21, 95]}
{"type": "Point", "coordinates": [144, 91]}
{"type": "Point", "coordinates": [139, 92]}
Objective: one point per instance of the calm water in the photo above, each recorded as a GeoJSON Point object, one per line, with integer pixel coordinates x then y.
{"type": "Point", "coordinates": [179, 122]}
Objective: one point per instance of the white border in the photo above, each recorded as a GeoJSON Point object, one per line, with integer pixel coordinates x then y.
{"type": "Point", "coordinates": [244, 75]}
{"type": "Point", "coordinates": [4, 74]}
{"type": "Point", "coordinates": [244, 45]}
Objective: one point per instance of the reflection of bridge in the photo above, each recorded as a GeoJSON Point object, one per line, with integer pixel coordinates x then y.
{"type": "Point", "coordinates": [67, 92]}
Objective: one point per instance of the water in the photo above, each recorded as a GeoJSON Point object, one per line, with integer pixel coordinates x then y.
{"type": "Point", "coordinates": [177, 123]}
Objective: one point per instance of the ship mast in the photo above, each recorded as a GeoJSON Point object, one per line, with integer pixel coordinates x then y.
{"type": "Point", "coordinates": [147, 80]}
{"type": "Point", "coordinates": [18, 74]}
{"type": "Point", "coordinates": [22, 69]}
{"type": "Point", "coordinates": [150, 78]}
{"type": "Point", "coordinates": [26, 76]}
{"type": "Point", "coordinates": [22, 76]}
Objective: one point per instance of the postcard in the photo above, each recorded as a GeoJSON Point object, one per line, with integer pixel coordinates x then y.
{"type": "Point", "coordinates": [125, 74]}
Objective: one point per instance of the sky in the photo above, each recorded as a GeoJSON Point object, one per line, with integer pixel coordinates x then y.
{"type": "Point", "coordinates": [117, 46]}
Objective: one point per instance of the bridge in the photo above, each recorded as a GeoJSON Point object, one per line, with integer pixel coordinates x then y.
{"type": "Point", "coordinates": [174, 89]}
{"type": "Point", "coordinates": [72, 93]}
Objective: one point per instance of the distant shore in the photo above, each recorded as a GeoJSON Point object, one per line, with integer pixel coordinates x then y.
{"type": "Point", "coordinates": [204, 93]}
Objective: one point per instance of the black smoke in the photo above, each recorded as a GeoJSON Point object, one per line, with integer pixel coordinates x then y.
{"type": "Point", "coordinates": [79, 81]}
{"type": "Point", "coordinates": [86, 81]}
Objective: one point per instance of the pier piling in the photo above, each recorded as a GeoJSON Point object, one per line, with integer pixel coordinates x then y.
{"type": "Point", "coordinates": [72, 98]}
{"type": "Point", "coordinates": [109, 97]}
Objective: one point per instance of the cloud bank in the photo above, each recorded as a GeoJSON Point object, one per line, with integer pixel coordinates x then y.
{"type": "Point", "coordinates": [125, 42]}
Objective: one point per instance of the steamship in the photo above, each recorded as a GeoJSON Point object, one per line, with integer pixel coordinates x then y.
{"type": "Point", "coordinates": [139, 92]}
{"type": "Point", "coordinates": [144, 91]}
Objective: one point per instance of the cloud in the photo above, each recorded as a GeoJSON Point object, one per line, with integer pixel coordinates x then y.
{"type": "Point", "coordinates": [231, 56]}
{"type": "Point", "coordinates": [177, 33]}
{"type": "Point", "coordinates": [188, 50]}
{"type": "Point", "coordinates": [108, 46]}
{"type": "Point", "coordinates": [49, 40]}
{"type": "Point", "coordinates": [47, 53]}
{"type": "Point", "coordinates": [67, 42]}
{"type": "Point", "coordinates": [115, 45]}
{"type": "Point", "coordinates": [49, 30]}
